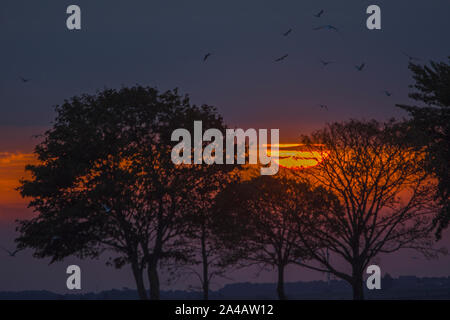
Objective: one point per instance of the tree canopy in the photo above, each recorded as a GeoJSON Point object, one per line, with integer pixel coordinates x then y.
{"type": "Point", "coordinates": [106, 182]}
{"type": "Point", "coordinates": [429, 127]}
{"type": "Point", "coordinates": [255, 219]}
{"type": "Point", "coordinates": [385, 195]}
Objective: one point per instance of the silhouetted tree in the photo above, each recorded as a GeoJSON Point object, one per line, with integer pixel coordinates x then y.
{"type": "Point", "coordinates": [106, 181]}
{"type": "Point", "coordinates": [255, 222]}
{"type": "Point", "coordinates": [385, 195]}
{"type": "Point", "coordinates": [430, 127]}
{"type": "Point", "coordinates": [206, 261]}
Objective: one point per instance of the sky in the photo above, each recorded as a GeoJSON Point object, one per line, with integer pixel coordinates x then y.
{"type": "Point", "coordinates": [162, 44]}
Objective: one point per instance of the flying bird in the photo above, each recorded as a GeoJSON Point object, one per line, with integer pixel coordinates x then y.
{"type": "Point", "coordinates": [317, 15]}
{"type": "Point", "coordinates": [11, 253]}
{"type": "Point", "coordinates": [387, 93]}
{"type": "Point", "coordinates": [411, 58]}
{"type": "Point", "coordinates": [323, 106]}
{"type": "Point", "coordinates": [327, 27]}
{"type": "Point", "coordinates": [360, 67]}
{"type": "Point", "coordinates": [325, 63]}
{"type": "Point", "coordinates": [287, 32]}
{"type": "Point", "coordinates": [206, 56]}
{"type": "Point", "coordinates": [281, 58]}
{"type": "Point", "coordinates": [24, 80]}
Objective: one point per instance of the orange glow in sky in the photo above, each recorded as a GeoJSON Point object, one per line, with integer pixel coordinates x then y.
{"type": "Point", "coordinates": [12, 169]}
{"type": "Point", "coordinates": [295, 156]}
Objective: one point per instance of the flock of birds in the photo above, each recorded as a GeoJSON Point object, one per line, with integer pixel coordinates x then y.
{"type": "Point", "coordinates": [285, 34]}
{"type": "Point", "coordinates": [325, 63]}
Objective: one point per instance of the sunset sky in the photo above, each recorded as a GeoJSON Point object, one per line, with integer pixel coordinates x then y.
{"type": "Point", "coordinates": [162, 44]}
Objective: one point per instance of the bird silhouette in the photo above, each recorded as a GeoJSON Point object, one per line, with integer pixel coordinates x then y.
{"type": "Point", "coordinates": [287, 32]}
{"type": "Point", "coordinates": [360, 67]}
{"type": "Point", "coordinates": [323, 106]}
{"type": "Point", "coordinates": [317, 15]}
{"type": "Point", "coordinates": [411, 58]}
{"type": "Point", "coordinates": [327, 27]}
{"type": "Point", "coordinates": [107, 209]}
{"type": "Point", "coordinates": [281, 58]}
{"type": "Point", "coordinates": [11, 253]}
{"type": "Point", "coordinates": [387, 93]}
{"type": "Point", "coordinates": [24, 80]}
{"type": "Point", "coordinates": [325, 63]}
{"type": "Point", "coordinates": [206, 56]}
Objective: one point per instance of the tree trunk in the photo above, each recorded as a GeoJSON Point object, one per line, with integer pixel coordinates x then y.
{"type": "Point", "coordinates": [205, 283]}
{"type": "Point", "coordinates": [280, 284]}
{"type": "Point", "coordinates": [358, 285]}
{"type": "Point", "coordinates": [153, 278]}
{"type": "Point", "coordinates": [139, 278]}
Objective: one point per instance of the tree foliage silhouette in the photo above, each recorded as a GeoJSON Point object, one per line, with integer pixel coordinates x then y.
{"type": "Point", "coordinates": [430, 127]}
{"type": "Point", "coordinates": [255, 219]}
{"type": "Point", "coordinates": [207, 251]}
{"type": "Point", "coordinates": [106, 182]}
